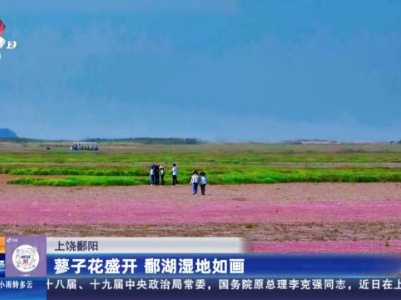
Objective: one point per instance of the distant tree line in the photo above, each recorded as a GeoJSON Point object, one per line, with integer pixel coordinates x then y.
{"type": "Point", "coordinates": [151, 141]}
{"type": "Point", "coordinates": [20, 140]}
{"type": "Point", "coordinates": [140, 140]}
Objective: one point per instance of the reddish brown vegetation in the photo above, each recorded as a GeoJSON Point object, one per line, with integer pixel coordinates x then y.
{"type": "Point", "coordinates": [276, 218]}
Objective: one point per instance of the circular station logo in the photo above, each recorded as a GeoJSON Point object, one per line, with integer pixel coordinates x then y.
{"type": "Point", "coordinates": [26, 258]}
{"type": "Point", "coordinates": [6, 44]}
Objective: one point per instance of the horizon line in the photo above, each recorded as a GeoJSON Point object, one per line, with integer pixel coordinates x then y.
{"type": "Point", "coordinates": [298, 140]}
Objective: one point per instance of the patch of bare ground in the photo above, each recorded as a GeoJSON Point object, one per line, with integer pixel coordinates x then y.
{"type": "Point", "coordinates": [269, 232]}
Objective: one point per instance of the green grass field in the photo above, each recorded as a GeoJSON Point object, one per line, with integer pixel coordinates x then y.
{"type": "Point", "coordinates": [127, 164]}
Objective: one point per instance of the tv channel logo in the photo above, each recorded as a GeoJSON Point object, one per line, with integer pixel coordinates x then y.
{"type": "Point", "coordinates": [8, 45]}
{"type": "Point", "coordinates": [25, 256]}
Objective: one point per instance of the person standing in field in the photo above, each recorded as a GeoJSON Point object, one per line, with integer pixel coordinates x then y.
{"type": "Point", "coordinates": [157, 176]}
{"type": "Point", "coordinates": [161, 168]}
{"type": "Point", "coordinates": [203, 182]}
{"type": "Point", "coordinates": [152, 175]}
{"type": "Point", "coordinates": [174, 170]}
{"type": "Point", "coordinates": [194, 182]}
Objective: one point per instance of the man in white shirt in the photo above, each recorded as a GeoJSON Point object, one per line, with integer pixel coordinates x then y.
{"type": "Point", "coordinates": [152, 175]}
{"type": "Point", "coordinates": [174, 170]}
{"type": "Point", "coordinates": [194, 182]}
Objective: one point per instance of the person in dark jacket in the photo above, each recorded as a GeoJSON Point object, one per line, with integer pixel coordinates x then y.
{"type": "Point", "coordinates": [162, 173]}
{"type": "Point", "coordinates": [203, 182]}
{"type": "Point", "coordinates": [157, 175]}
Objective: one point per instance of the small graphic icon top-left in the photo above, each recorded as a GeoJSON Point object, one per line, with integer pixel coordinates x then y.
{"type": "Point", "coordinates": [8, 45]}
{"type": "Point", "coordinates": [2, 29]}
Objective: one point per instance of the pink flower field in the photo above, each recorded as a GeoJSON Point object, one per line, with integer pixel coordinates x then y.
{"type": "Point", "coordinates": [320, 218]}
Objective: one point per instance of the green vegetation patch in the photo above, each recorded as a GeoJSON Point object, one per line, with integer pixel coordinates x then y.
{"type": "Point", "coordinates": [128, 163]}
{"type": "Point", "coordinates": [82, 171]}
{"type": "Point", "coordinates": [204, 153]}
{"type": "Point", "coordinates": [229, 175]}
{"type": "Point", "coordinates": [80, 181]}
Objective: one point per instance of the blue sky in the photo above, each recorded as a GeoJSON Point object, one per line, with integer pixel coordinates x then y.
{"type": "Point", "coordinates": [235, 70]}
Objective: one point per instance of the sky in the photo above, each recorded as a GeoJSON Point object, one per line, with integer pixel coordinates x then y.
{"type": "Point", "coordinates": [219, 70]}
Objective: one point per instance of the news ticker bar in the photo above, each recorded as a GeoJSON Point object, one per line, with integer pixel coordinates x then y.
{"type": "Point", "coordinates": [224, 284]}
